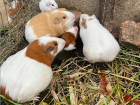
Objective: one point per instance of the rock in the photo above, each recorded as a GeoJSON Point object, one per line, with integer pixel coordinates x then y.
{"type": "Point", "coordinates": [130, 34]}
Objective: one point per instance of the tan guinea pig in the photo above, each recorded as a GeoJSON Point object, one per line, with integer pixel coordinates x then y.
{"type": "Point", "coordinates": [70, 36]}
{"type": "Point", "coordinates": [54, 22]}
{"type": "Point", "coordinates": [17, 7]}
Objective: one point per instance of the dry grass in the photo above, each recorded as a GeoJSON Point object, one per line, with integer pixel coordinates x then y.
{"type": "Point", "coordinates": [82, 78]}
{"type": "Point", "coordinates": [76, 81]}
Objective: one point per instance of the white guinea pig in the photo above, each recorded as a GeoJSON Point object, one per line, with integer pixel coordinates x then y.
{"type": "Point", "coordinates": [54, 22]}
{"type": "Point", "coordinates": [98, 43]}
{"type": "Point", "coordinates": [47, 5]}
{"type": "Point", "coordinates": [70, 36]}
{"type": "Point", "coordinates": [28, 72]}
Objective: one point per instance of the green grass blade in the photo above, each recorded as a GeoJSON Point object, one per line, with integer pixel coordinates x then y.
{"type": "Point", "coordinates": [9, 100]}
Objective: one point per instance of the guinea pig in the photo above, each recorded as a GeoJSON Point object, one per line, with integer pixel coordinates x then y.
{"type": "Point", "coordinates": [70, 36]}
{"type": "Point", "coordinates": [15, 7]}
{"type": "Point", "coordinates": [47, 5]}
{"type": "Point", "coordinates": [98, 43]}
{"type": "Point", "coordinates": [28, 72]}
{"type": "Point", "coordinates": [54, 22]}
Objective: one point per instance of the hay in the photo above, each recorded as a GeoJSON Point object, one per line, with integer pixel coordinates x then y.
{"type": "Point", "coordinates": [79, 79]}
{"type": "Point", "coordinates": [86, 82]}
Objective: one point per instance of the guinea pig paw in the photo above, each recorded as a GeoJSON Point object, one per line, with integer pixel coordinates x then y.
{"type": "Point", "coordinates": [74, 47]}
{"type": "Point", "coordinates": [76, 30]}
{"type": "Point", "coordinates": [36, 98]}
{"type": "Point", "coordinates": [85, 59]}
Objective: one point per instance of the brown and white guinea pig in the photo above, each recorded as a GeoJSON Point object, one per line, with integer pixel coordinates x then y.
{"type": "Point", "coordinates": [70, 36]}
{"type": "Point", "coordinates": [14, 8]}
{"type": "Point", "coordinates": [28, 72]}
{"type": "Point", "coordinates": [99, 45]}
{"type": "Point", "coordinates": [54, 22]}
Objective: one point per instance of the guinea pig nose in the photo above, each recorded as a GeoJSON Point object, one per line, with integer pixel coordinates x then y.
{"type": "Point", "coordinates": [74, 18]}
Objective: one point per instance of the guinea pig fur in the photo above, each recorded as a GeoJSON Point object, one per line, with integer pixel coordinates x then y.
{"type": "Point", "coordinates": [98, 43]}
{"type": "Point", "coordinates": [70, 37]}
{"type": "Point", "coordinates": [47, 5]}
{"type": "Point", "coordinates": [11, 11]}
{"type": "Point", "coordinates": [54, 22]}
{"type": "Point", "coordinates": [28, 72]}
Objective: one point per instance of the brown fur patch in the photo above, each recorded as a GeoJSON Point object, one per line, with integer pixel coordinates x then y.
{"type": "Point", "coordinates": [6, 95]}
{"type": "Point", "coordinates": [36, 52]}
{"type": "Point", "coordinates": [42, 25]}
{"type": "Point", "coordinates": [69, 38]}
{"type": "Point", "coordinates": [90, 19]}
{"type": "Point", "coordinates": [84, 24]}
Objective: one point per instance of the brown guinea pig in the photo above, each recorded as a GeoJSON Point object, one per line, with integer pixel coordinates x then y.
{"type": "Point", "coordinates": [28, 72]}
{"type": "Point", "coordinates": [70, 36]}
{"type": "Point", "coordinates": [54, 23]}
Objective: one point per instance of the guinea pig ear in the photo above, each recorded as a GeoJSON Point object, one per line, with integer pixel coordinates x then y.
{"type": "Point", "coordinates": [48, 3]}
{"type": "Point", "coordinates": [49, 48]}
{"type": "Point", "coordinates": [84, 24]}
{"type": "Point", "coordinates": [94, 16]}
{"type": "Point", "coordinates": [56, 20]}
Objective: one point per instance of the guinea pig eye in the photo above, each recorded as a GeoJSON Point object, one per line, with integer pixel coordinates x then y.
{"type": "Point", "coordinates": [83, 19]}
{"type": "Point", "coordinates": [52, 5]}
{"type": "Point", "coordinates": [64, 17]}
{"type": "Point", "coordinates": [55, 44]}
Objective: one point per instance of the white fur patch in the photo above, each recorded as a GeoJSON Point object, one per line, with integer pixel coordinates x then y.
{"type": "Point", "coordinates": [60, 26]}
{"type": "Point", "coordinates": [69, 23]}
{"type": "Point", "coordinates": [9, 19]}
{"type": "Point", "coordinates": [70, 47]}
{"type": "Point", "coordinates": [72, 30]}
{"type": "Point", "coordinates": [48, 18]}
{"type": "Point", "coordinates": [29, 34]}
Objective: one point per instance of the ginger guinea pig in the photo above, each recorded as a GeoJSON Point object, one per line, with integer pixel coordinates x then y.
{"type": "Point", "coordinates": [54, 22]}
{"type": "Point", "coordinates": [70, 36]}
{"type": "Point", "coordinates": [16, 7]}
{"type": "Point", "coordinates": [28, 72]}
{"type": "Point", "coordinates": [47, 5]}
{"type": "Point", "coordinates": [98, 43]}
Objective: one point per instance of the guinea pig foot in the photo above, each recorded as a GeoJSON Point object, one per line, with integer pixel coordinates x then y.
{"type": "Point", "coordinates": [36, 98]}
{"type": "Point", "coordinates": [85, 59]}
{"type": "Point", "coordinates": [74, 48]}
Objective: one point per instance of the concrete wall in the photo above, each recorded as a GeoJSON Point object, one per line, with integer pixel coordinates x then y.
{"type": "Point", "coordinates": [124, 9]}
